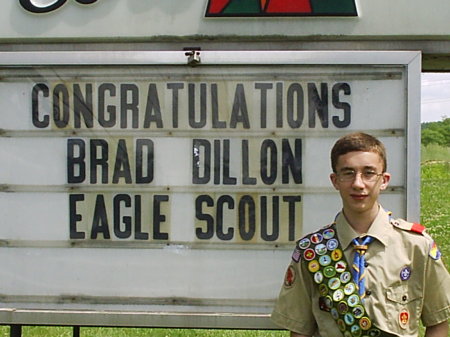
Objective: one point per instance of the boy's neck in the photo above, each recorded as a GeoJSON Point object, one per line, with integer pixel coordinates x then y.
{"type": "Point", "coordinates": [361, 222]}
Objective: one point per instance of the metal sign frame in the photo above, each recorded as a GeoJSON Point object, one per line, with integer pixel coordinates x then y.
{"type": "Point", "coordinates": [409, 60]}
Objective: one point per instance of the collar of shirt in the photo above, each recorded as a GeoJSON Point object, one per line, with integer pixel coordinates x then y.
{"type": "Point", "coordinates": [377, 229]}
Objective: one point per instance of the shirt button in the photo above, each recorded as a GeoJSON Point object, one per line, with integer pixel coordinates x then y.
{"type": "Point", "coordinates": [366, 264]}
{"type": "Point", "coordinates": [368, 293]}
{"type": "Point", "coordinates": [404, 298]}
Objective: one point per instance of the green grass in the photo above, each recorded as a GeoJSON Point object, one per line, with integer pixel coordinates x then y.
{"type": "Point", "coordinates": [435, 215]}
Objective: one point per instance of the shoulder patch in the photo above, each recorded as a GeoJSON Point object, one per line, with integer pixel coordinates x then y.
{"type": "Point", "coordinates": [434, 253]}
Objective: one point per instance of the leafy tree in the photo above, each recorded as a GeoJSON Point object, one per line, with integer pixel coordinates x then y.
{"type": "Point", "coordinates": [436, 132]}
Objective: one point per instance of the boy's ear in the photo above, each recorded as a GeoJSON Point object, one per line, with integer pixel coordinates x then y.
{"type": "Point", "coordinates": [386, 178]}
{"type": "Point", "coordinates": [333, 178]}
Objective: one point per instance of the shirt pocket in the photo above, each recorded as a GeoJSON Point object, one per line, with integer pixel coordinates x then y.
{"type": "Point", "coordinates": [403, 308]}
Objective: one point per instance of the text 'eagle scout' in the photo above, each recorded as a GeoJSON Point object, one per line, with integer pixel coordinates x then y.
{"type": "Point", "coordinates": [281, 8]}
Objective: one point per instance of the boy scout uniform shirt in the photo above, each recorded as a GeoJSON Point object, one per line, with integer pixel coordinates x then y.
{"type": "Point", "coordinates": [405, 282]}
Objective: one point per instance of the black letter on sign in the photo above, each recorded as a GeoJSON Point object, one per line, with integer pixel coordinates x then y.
{"type": "Point", "coordinates": [316, 103]}
{"type": "Point", "coordinates": [102, 161]}
{"type": "Point", "coordinates": [131, 104]}
{"type": "Point", "coordinates": [122, 166]}
{"type": "Point", "coordinates": [275, 219]}
{"type": "Point", "coordinates": [74, 160]}
{"type": "Point", "coordinates": [158, 217]}
{"type": "Point", "coordinates": [268, 149]}
{"type": "Point", "coordinates": [100, 221]}
{"type": "Point", "coordinates": [118, 200]}
{"type": "Point", "coordinates": [61, 97]}
{"type": "Point", "coordinates": [239, 113]}
{"type": "Point", "coordinates": [111, 109]}
{"type": "Point", "coordinates": [247, 208]}
{"type": "Point", "coordinates": [291, 161]}
{"type": "Point", "coordinates": [219, 217]}
{"type": "Point", "coordinates": [74, 217]}
{"type": "Point", "coordinates": [144, 146]}
{"type": "Point", "coordinates": [295, 120]}
{"type": "Point", "coordinates": [40, 87]}
{"type": "Point", "coordinates": [208, 234]}
{"type": "Point", "coordinates": [341, 105]}
{"type": "Point", "coordinates": [191, 98]}
{"type": "Point", "coordinates": [197, 162]}
{"type": "Point", "coordinates": [82, 106]}
{"type": "Point", "coordinates": [153, 106]}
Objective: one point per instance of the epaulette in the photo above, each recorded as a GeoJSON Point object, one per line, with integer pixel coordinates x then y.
{"type": "Point", "coordinates": [409, 226]}
{"type": "Point", "coordinates": [434, 252]}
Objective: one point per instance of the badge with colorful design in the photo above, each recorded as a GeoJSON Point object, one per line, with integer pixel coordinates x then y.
{"type": "Point", "coordinates": [230, 8]}
{"type": "Point", "coordinates": [365, 323]}
{"type": "Point", "coordinates": [289, 277]}
{"type": "Point", "coordinates": [405, 273]}
{"type": "Point", "coordinates": [328, 233]}
{"type": "Point", "coordinates": [316, 238]}
{"type": "Point", "coordinates": [336, 255]}
{"type": "Point", "coordinates": [403, 318]}
{"type": "Point", "coordinates": [435, 253]}
{"type": "Point", "coordinates": [313, 266]}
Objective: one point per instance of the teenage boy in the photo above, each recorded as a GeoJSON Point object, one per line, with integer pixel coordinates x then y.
{"type": "Point", "coordinates": [366, 274]}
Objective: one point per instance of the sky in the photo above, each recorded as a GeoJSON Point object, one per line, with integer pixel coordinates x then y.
{"type": "Point", "coordinates": [435, 96]}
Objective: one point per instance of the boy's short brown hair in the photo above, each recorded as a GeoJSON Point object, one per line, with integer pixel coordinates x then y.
{"type": "Point", "coordinates": [357, 141]}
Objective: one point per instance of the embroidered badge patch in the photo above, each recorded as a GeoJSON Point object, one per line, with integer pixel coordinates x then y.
{"type": "Point", "coordinates": [405, 273]}
{"type": "Point", "coordinates": [289, 277]}
{"type": "Point", "coordinates": [435, 253]}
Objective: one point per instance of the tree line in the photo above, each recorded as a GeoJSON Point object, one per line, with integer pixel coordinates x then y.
{"type": "Point", "coordinates": [436, 132]}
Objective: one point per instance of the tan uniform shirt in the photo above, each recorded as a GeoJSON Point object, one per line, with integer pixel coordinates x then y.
{"type": "Point", "coordinates": [401, 277]}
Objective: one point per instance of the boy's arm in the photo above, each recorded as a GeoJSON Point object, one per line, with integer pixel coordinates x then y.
{"type": "Point", "coordinates": [438, 330]}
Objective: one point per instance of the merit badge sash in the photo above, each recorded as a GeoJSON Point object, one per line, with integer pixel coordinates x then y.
{"type": "Point", "coordinates": [323, 255]}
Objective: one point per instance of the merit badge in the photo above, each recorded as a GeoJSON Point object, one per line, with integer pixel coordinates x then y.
{"type": "Point", "coordinates": [342, 307]}
{"type": "Point", "coordinates": [353, 300]}
{"type": "Point", "coordinates": [321, 249]}
{"type": "Point", "coordinates": [325, 303]}
{"type": "Point", "coordinates": [358, 311]}
{"type": "Point", "coordinates": [336, 255]}
{"type": "Point", "coordinates": [289, 278]}
{"type": "Point", "coordinates": [346, 276]}
{"type": "Point", "coordinates": [304, 243]}
{"type": "Point", "coordinates": [349, 319]}
{"type": "Point", "coordinates": [374, 333]}
{"type": "Point", "coordinates": [405, 273]}
{"type": "Point", "coordinates": [323, 289]}
{"type": "Point", "coordinates": [434, 253]}
{"type": "Point", "coordinates": [296, 255]}
{"type": "Point", "coordinates": [316, 238]}
{"type": "Point", "coordinates": [334, 283]}
{"type": "Point", "coordinates": [309, 254]}
{"type": "Point", "coordinates": [365, 323]}
{"type": "Point", "coordinates": [334, 313]}
{"type": "Point", "coordinates": [328, 233]}
{"type": "Point", "coordinates": [340, 266]}
{"type": "Point", "coordinates": [338, 295]}
{"type": "Point", "coordinates": [356, 330]}
{"type": "Point", "coordinates": [318, 277]}
{"type": "Point", "coordinates": [324, 260]}
{"type": "Point", "coordinates": [313, 266]}
{"type": "Point", "coordinates": [332, 244]}
{"type": "Point", "coordinates": [403, 318]}
{"type": "Point", "coordinates": [329, 271]}
{"type": "Point", "coordinates": [341, 325]}
{"type": "Point", "coordinates": [349, 288]}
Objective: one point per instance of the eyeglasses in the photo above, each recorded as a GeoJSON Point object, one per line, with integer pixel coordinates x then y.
{"type": "Point", "coordinates": [366, 176]}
